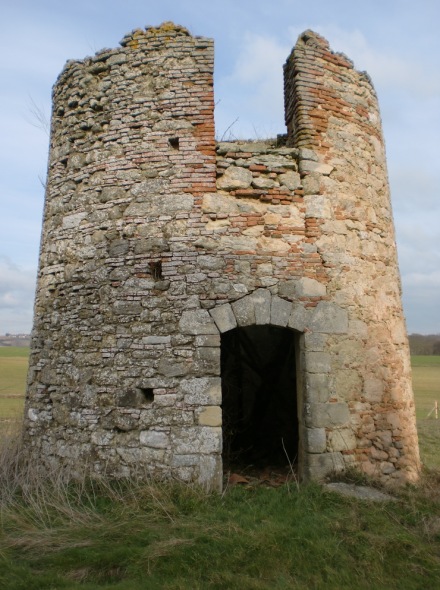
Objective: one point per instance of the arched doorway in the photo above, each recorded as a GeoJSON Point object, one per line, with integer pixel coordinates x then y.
{"type": "Point", "coordinates": [259, 397]}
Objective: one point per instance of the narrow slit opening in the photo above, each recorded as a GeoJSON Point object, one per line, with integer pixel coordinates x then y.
{"type": "Point", "coordinates": [148, 394]}
{"type": "Point", "coordinates": [174, 142]}
{"type": "Point", "coordinates": [156, 269]}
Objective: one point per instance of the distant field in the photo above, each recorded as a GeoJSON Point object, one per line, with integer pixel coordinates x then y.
{"type": "Point", "coordinates": [426, 383]}
{"type": "Point", "coordinates": [13, 369]}
{"type": "Point", "coordinates": [14, 351]}
{"type": "Point", "coordinates": [425, 361]}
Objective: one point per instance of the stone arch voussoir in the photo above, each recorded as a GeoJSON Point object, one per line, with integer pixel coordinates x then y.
{"type": "Point", "coordinates": [259, 308]}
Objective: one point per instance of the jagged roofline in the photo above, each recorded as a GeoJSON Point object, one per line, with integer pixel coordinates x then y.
{"type": "Point", "coordinates": [165, 27]}
{"type": "Point", "coordinates": [312, 38]}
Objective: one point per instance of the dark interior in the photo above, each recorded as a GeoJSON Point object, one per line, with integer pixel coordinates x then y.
{"type": "Point", "coordinates": [260, 423]}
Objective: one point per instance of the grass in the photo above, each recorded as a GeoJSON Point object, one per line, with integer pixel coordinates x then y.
{"type": "Point", "coordinates": [131, 536]}
{"type": "Point", "coordinates": [426, 382]}
{"type": "Point", "coordinates": [425, 361]}
{"type": "Point", "coordinates": [13, 368]}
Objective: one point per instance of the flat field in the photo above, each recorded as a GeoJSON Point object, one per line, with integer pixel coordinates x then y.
{"type": "Point", "coordinates": [13, 370]}
{"type": "Point", "coordinates": [426, 383]}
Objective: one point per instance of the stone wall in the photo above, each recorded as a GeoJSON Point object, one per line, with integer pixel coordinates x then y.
{"type": "Point", "coordinates": [156, 242]}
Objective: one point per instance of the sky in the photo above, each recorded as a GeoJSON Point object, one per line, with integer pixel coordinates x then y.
{"type": "Point", "coordinates": [395, 41]}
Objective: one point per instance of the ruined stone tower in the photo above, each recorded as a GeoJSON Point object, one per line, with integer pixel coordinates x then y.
{"type": "Point", "coordinates": [201, 304]}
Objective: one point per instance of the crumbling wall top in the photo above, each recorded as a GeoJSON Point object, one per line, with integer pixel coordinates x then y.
{"type": "Point", "coordinates": [140, 36]}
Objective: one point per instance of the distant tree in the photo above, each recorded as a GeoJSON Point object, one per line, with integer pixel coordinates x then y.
{"type": "Point", "coordinates": [421, 344]}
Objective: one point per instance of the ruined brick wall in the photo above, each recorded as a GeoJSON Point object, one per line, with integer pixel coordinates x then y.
{"type": "Point", "coordinates": [333, 109]}
{"type": "Point", "coordinates": [156, 244]}
{"type": "Point", "coordinates": [132, 151]}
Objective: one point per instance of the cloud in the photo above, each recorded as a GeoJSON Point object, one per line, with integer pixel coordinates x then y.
{"type": "Point", "coordinates": [17, 287]}
{"type": "Point", "coordinates": [427, 280]}
{"type": "Point", "coordinates": [253, 92]}
{"type": "Point", "coordinates": [388, 70]}
{"type": "Point", "coordinates": [420, 301]}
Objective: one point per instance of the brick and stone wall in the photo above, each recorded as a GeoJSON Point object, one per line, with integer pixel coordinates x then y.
{"type": "Point", "coordinates": [156, 242]}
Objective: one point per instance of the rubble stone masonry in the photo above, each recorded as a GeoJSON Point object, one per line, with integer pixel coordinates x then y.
{"type": "Point", "coordinates": [157, 241]}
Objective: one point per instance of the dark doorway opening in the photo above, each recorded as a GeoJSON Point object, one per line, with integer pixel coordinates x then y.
{"type": "Point", "coordinates": [259, 397]}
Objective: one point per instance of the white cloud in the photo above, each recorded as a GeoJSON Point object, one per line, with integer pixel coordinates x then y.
{"type": "Point", "coordinates": [421, 302]}
{"type": "Point", "coordinates": [425, 280]}
{"type": "Point", "coordinates": [17, 287]}
{"type": "Point", "coordinates": [253, 92]}
{"type": "Point", "coordinates": [388, 70]}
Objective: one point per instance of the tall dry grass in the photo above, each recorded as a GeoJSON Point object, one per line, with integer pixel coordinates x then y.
{"type": "Point", "coordinates": [43, 509]}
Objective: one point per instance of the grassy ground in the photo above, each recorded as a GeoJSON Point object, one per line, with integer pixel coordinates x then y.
{"type": "Point", "coordinates": [143, 536]}
{"type": "Point", "coordinates": [171, 537]}
{"type": "Point", "coordinates": [13, 368]}
{"type": "Point", "coordinates": [426, 379]}
{"type": "Point", "coordinates": [426, 382]}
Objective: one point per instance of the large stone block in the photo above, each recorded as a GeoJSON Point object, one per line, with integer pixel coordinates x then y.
{"type": "Point", "coordinates": [235, 178]}
{"type": "Point", "coordinates": [184, 460]}
{"type": "Point", "coordinates": [299, 317]}
{"type": "Point", "coordinates": [317, 387]}
{"type": "Point", "coordinates": [318, 362]}
{"type": "Point", "coordinates": [319, 466]}
{"type": "Point", "coordinates": [262, 304]}
{"type": "Point", "coordinates": [206, 361]}
{"type": "Point", "coordinates": [314, 440]}
{"type": "Point", "coordinates": [280, 311]}
{"type": "Point", "coordinates": [304, 287]}
{"type": "Point", "coordinates": [210, 472]}
{"type": "Point", "coordinates": [314, 342]}
{"type": "Point", "coordinates": [244, 311]}
{"type": "Point", "coordinates": [309, 166]}
{"type": "Point", "coordinates": [373, 389]}
{"type": "Point", "coordinates": [291, 180]}
{"type": "Point", "coordinates": [329, 318]}
{"type": "Point", "coordinates": [197, 439]}
{"type": "Point", "coordinates": [154, 438]}
{"type": "Point", "coordinates": [169, 367]}
{"type": "Point", "coordinates": [341, 439]}
{"type": "Point", "coordinates": [209, 340]}
{"type": "Point", "coordinates": [224, 317]}
{"type": "Point", "coordinates": [159, 205]}
{"type": "Point", "coordinates": [348, 384]}
{"type": "Point", "coordinates": [203, 391]}
{"type": "Point", "coordinates": [197, 321]}
{"type": "Point", "coordinates": [326, 415]}
{"type": "Point", "coordinates": [210, 416]}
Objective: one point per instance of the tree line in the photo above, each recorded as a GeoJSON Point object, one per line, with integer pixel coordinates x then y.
{"type": "Point", "coordinates": [424, 344]}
